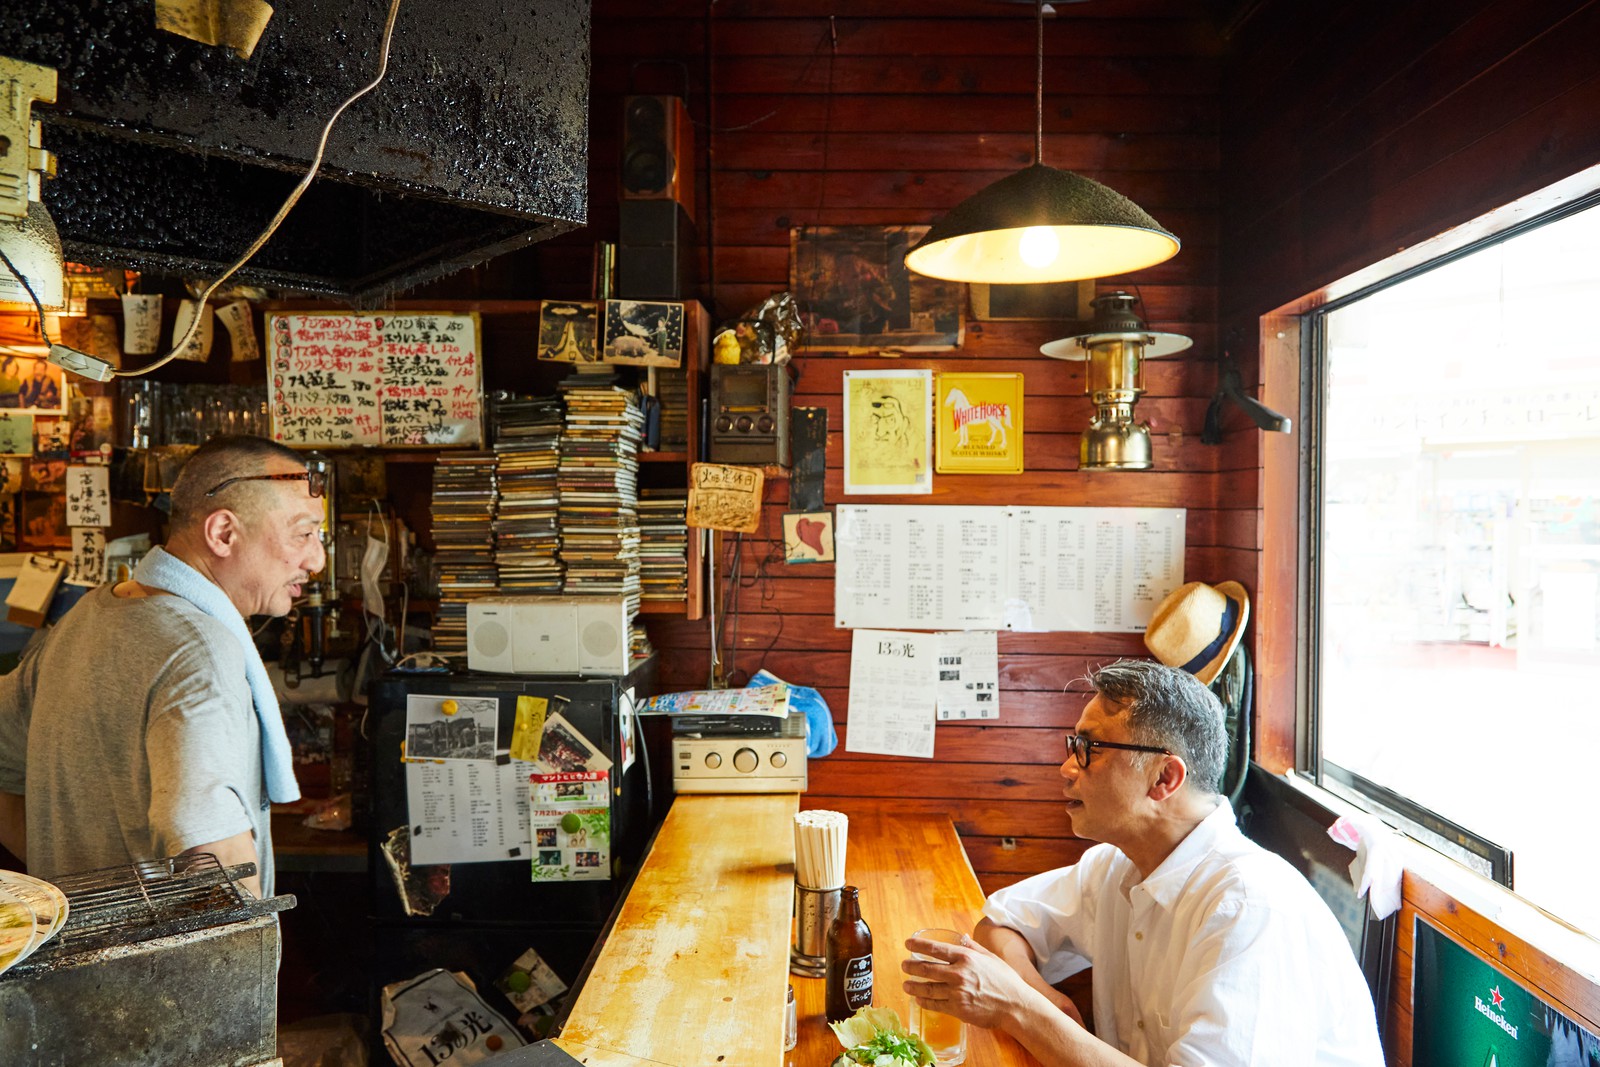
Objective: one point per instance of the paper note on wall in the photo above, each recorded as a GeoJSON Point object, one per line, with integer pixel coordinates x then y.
{"type": "Point", "coordinates": [969, 675]}
{"type": "Point", "coordinates": [88, 566]}
{"type": "Point", "coordinates": [893, 693]}
{"type": "Point", "coordinates": [88, 496]}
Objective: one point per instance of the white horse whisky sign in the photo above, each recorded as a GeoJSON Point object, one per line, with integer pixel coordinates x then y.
{"type": "Point", "coordinates": [979, 424]}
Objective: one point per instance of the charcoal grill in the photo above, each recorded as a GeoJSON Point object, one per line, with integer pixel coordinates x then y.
{"type": "Point", "coordinates": [159, 964]}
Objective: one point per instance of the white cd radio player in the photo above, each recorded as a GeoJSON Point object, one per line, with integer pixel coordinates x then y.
{"type": "Point", "coordinates": [548, 635]}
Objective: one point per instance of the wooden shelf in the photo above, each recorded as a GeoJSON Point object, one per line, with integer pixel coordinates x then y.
{"type": "Point", "coordinates": [663, 457]}
{"type": "Point", "coordinates": [662, 607]}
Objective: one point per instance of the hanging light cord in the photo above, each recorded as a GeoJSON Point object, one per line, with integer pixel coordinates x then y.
{"type": "Point", "coordinates": [272, 227]}
{"type": "Point", "coordinates": [1038, 81]}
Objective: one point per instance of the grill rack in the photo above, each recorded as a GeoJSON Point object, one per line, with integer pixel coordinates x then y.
{"type": "Point", "coordinates": [135, 902]}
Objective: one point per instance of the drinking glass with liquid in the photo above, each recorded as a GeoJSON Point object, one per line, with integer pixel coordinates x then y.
{"type": "Point", "coordinates": [945, 1034]}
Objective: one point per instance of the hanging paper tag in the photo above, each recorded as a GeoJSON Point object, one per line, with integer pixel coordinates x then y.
{"type": "Point", "coordinates": [141, 323]}
{"type": "Point", "coordinates": [199, 347]}
{"type": "Point", "coordinates": [241, 327]}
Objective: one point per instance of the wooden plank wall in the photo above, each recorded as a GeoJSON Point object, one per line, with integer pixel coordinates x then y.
{"type": "Point", "coordinates": [915, 108]}
{"type": "Point", "coordinates": [1352, 132]}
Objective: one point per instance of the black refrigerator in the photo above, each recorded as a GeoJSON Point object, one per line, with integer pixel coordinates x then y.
{"type": "Point", "coordinates": [494, 911]}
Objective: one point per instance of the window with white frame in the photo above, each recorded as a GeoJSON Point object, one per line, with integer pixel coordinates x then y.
{"type": "Point", "coordinates": [1455, 553]}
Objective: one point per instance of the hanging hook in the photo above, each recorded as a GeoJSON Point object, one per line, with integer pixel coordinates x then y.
{"type": "Point", "coordinates": [1230, 386]}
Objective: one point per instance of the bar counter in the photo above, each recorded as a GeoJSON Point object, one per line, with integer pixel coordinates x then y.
{"type": "Point", "coordinates": [694, 969]}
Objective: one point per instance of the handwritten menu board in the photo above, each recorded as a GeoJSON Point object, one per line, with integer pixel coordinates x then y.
{"type": "Point", "coordinates": [375, 378]}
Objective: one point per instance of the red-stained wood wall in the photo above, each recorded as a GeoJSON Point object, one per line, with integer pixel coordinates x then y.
{"type": "Point", "coordinates": [892, 114]}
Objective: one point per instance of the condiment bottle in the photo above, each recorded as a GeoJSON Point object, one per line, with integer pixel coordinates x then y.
{"type": "Point", "coordinates": [849, 963]}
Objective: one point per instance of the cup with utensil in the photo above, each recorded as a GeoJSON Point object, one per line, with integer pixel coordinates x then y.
{"type": "Point", "coordinates": [819, 851]}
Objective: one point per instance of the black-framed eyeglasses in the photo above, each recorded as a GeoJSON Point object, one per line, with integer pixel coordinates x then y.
{"type": "Point", "coordinates": [1082, 748]}
{"type": "Point", "coordinates": [316, 481]}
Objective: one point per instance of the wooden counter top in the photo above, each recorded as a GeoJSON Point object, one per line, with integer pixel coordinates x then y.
{"type": "Point", "coordinates": [693, 971]}
{"type": "Point", "coordinates": [913, 874]}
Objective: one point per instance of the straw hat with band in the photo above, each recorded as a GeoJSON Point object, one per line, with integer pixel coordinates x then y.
{"type": "Point", "coordinates": [1197, 627]}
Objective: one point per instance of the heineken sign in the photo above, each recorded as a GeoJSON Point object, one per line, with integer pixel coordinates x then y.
{"type": "Point", "coordinates": [1467, 1014]}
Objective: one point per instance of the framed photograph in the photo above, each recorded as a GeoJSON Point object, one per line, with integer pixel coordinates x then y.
{"type": "Point", "coordinates": [44, 521]}
{"type": "Point", "coordinates": [888, 444]}
{"type": "Point", "coordinates": [1039, 300]}
{"type": "Point", "coordinates": [30, 386]}
{"type": "Point", "coordinates": [644, 333]}
{"type": "Point", "coordinates": [569, 331]}
{"type": "Point", "coordinates": [855, 292]}
{"type": "Point", "coordinates": [979, 424]}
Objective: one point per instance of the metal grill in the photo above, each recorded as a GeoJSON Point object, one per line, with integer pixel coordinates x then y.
{"type": "Point", "coordinates": [155, 898]}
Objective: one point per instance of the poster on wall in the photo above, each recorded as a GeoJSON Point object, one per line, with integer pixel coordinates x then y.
{"type": "Point", "coordinates": [854, 290]}
{"type": "Point", "coordinates": [887, 444]}
{"type": "Point", "coordinates": [979, 424]}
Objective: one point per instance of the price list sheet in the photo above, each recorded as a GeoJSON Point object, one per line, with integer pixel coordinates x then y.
{"type": "Point", "coordinates": [1092, 568]}
{"type": "Point", "coordinates": [920, 566]}
{"type": "Point", "coordinates": [468, 811]}
{"type": "Point", "coordinates": [1014, 568]}
{"type": "Point", "coordinates": [359, 378]}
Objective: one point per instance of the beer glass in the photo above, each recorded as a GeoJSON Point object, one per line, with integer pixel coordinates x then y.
{"type": "Point", "coordinates": [945, 1034]}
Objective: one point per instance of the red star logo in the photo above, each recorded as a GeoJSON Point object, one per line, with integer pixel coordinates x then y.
{"type": "Point", "coordinates": [1498, 999]}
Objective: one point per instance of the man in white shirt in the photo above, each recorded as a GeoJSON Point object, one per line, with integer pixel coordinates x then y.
{"type": "Point", "coordinates": [1207, 949]}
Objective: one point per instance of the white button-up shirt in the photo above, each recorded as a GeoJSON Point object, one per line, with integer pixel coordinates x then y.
{"type": "Point", "coordinates": [1224, 957]}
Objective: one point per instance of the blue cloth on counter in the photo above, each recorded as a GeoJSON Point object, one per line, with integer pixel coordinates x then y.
{"type": "Point", "coordinates": [160, 569]}
{"type": "Point", "coordinates": [820, 736]}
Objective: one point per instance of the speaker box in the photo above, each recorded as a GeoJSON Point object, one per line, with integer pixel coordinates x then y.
{"type": "Point", "coordinates": [655, 251]}
{"type": "Point", "coordinates": [657, 151]}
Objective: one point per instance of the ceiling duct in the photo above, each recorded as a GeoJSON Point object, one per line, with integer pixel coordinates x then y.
{"type": "Point", "coordinates": [172, 154]}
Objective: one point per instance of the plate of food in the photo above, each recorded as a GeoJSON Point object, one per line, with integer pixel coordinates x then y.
{"type": "Point", "coordinates": [874, 1036]}
{"type": "Point", "coordinates": [49, 903]}
{"type": "Point", "coordinates": [19, 929]}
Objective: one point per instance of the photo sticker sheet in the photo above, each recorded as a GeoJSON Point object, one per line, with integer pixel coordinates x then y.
{"type": "Point", "coordinates": [439, 727]}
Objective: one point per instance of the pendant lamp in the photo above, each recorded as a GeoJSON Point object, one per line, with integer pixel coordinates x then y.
{"type": "Point", "coordinates": [1041, 224]}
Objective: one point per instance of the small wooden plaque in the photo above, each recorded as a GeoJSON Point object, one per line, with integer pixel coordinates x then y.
{"type": "Point", "coordinates": [725, 498]}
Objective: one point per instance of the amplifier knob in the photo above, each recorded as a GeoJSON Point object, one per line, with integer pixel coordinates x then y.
{"type": "Point", "coordinates": [745, 760]}
{"type": "Point", "coordinates": [713, 760]}
{"type": "Point", "coordinates": [724, 423]}
{"type": "Point", "coordinates": [765, 424]}
{"type": "Point", "coordinates": [743, 424]}
{"type": "Point", "coordinates": [780, 760]}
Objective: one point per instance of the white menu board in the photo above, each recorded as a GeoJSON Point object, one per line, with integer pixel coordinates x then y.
{"type": "Point", "coordinates": [920, 566]}
{"type": "Point", "coordinates": [340, 379]}
{"type": "Point", "coordinates": [1015, 568]}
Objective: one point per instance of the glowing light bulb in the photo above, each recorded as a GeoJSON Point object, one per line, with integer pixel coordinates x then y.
{"type": "Point", "coordinates": [1039, 246]}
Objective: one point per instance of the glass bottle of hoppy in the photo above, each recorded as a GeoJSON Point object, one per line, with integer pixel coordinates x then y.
{"type": "Point", "coordinates": [848, 972]}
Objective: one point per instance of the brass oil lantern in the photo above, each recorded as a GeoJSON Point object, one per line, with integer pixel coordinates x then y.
{"type": "Point", "coordinates": [1115, 350]}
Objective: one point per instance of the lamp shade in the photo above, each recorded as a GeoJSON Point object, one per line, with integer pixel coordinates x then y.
{"type": "Point", "coordinates": [34, 250]}
{"type": "Point", "coordinates": [1041, 225]}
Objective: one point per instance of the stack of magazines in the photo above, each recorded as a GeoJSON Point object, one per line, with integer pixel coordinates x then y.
{"type": "Point", "coordinates": [527, 446]}
{"type": "Point", "coordinates": [664, 543]}
{"type": "Point", "coordinates": [598, 481]}
{"type": "Point", "coordinates": [463, 538]}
